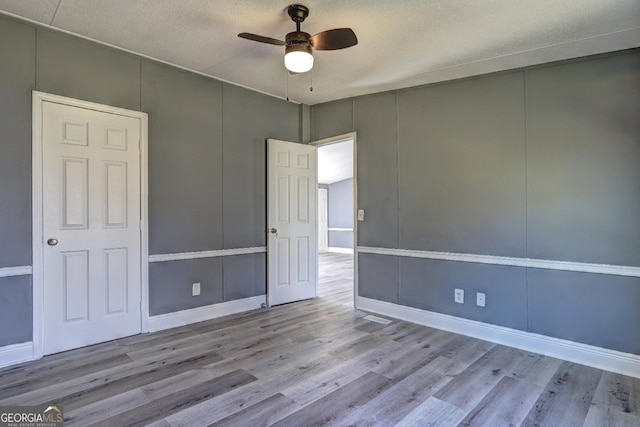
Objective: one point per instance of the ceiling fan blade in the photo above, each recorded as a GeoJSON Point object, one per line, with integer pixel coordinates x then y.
{"type": "Point", "coordinates": [338, 38]}
{"type": "Point", "coordinates": [261, 39]}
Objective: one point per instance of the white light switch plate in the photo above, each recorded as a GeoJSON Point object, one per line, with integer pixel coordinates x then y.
{"type": "Point", "coordinates": [360, 214]}
{"type": "Point", "coordinates": [195, 289]}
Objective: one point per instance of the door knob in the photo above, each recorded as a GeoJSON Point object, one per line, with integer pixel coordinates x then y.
{"type": "Point", "coordinates": [52, 242]}
{"type": "Point", "coordinates": [274, 231]}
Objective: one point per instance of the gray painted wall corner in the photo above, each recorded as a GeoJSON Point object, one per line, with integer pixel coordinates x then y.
{"type": "Point", "coordinates": [331, 119]}
{"type": "Point", "coordinates": [452, 167]}
{"type": "Point", "coordinates": [193, 197]}
{"type": "Point", "coordinates": [305, 123]}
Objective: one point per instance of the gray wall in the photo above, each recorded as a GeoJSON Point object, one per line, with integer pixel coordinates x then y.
{"type": "Point", "coordinates": [340, 195]}
{"type": "Point", "coordinates": [16, 315]}
{"type": "Point", "coordinates": [185, 135]}
{"type": "Point", "coordinates": [17, 78]}
{"type": "Point", "coordinates": [536, 163]}
{"type": "Point", "coordinates": [207, 161]}
{"type": "Point", "coordinates": [462, 167]}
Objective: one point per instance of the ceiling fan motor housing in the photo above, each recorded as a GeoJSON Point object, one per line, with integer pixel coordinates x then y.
{"type": "Point", "coordinates": [297, 39]}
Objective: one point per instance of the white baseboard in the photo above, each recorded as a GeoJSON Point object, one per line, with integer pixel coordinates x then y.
{"type": "Point", "coordinates": [341, 250]}
{"type": "Point", "coordinates": [16, 353]}
{"type": "Point", "coordinates": [602, 358]}
{"type": "Point", "coordinates": [200, 314]}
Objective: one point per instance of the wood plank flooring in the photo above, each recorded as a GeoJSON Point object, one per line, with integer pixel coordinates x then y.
{"type": "Point", "coordinates": [318, 362]}
{"type": "Point", "coordinates": [335, 277]}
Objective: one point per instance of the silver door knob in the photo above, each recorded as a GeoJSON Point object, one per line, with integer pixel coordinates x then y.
{"type": "Point", "coordinates": [274, 231]}
{"type": "Point", "coordinates": [52, 242]}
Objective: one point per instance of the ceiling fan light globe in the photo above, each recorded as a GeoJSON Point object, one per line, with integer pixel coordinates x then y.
{"type": "Point", "coordinates": [298, 61]}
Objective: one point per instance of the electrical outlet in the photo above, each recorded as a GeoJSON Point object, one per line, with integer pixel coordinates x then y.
{"type": "Point", "coordinates": [195, 289]}
{"type": "Point", "coordinates": [481, 299]}
{"type": "Point", "coordinates": [458, 296]}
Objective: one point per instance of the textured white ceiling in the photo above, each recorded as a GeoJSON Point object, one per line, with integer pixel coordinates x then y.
{"type": "Point", "coordinates": [401, 42]}
{"type": "Point", "coordinates": [335, 162]}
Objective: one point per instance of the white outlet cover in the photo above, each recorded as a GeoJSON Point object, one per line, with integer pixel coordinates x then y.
{"type": "Point", "coordinates": [481, 299]}
{"type": "Point", "coordinates": [458, 296]}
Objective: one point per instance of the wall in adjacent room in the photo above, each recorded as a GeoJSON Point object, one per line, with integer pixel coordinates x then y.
{"type": "Point", "coordinates": [207, 156]}
{"type": "Point", "coordinates": [340, 195]}
{"type": "Point", "coordinates": [541, 163]}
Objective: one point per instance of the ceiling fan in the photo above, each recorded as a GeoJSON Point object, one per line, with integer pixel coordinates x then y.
{"type": "Point", "coordinates": [298, 57]}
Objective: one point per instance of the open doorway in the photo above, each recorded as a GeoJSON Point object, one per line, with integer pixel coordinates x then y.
{"type": "Point", "coordinates": [336, 219]}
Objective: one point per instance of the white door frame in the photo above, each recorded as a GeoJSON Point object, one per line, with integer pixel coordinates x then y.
{"type": "Point", "coordinates": [323, 227]}
{"type": "Point", "coordinates": [335, 140]}
{"type": "Point", "coordinates": [38, 99]}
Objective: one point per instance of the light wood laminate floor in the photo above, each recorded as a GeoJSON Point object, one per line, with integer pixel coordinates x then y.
{"type": "Point", "coordinates": [335, 277]}
{"type": "Point", "coordinates": [318, 362]}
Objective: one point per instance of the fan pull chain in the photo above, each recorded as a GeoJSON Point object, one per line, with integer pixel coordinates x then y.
{"type": "Point", "coordinates": [287, 85]}
{"type": "Point", "coordinates": [311, 81]}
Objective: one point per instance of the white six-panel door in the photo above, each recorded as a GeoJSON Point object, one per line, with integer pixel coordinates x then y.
{"type": "Point", "coordinates": [91, 226]}
{"type": "Point", "coordinates": [292, 183]}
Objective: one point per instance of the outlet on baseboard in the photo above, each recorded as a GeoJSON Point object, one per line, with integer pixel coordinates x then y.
{"type": "Point", "coordinates": [195, 289]}
{"type": "Point", "coordinates": [458, 296]}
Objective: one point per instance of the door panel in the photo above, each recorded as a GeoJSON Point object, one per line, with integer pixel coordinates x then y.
{"type": "Point", "coordinates": [303, 199]}
{"type": "Point", "coordinates": [91, 207]}
{"type": "Point", "coordinates": [75, 285]}
{"type": "Point", "coordinates": [116, 279]}
{"type": "Point", "coordinates": [292, 242]}
{"type": "Point", "coordinates": [115, 202]}
{"type": "Point", "coordinates": [303, 260]}
{"type": "Point", "coordinates": [74, 193]}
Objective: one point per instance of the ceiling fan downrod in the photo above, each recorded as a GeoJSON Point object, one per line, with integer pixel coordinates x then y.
{"type": "Point", "coordinates": [298, 14]}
